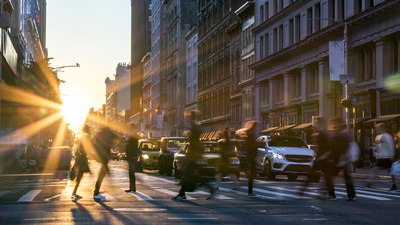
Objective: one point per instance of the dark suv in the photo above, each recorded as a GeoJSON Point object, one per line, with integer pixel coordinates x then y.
{"type": "Point", "coordinates": [169, 146]}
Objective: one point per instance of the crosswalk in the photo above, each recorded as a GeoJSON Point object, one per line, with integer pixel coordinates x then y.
{"type": "Point", "coordinates": [165, 193]}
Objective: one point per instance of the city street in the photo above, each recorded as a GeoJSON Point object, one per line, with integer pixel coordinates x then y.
{"type": "Point", "coordinates": [46, 199]}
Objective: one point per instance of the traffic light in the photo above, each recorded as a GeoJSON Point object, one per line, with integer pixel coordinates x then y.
{"type": "Point", "coordinates": [347, 103]}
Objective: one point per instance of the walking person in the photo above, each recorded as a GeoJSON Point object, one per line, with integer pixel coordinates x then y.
{"type": "Point", "coordinates": [322, 141]}
{"type": "Point", "coordinates": [103, 144]}
{"type": "Point", "coordinates": [81, 161]}
{"type": "Point", "coordinates": [340, 145]}
{"type": "Point", "coordinates": [133, 156]}
{"type": "Point", "coordinates": [385, 154]}
{"type": "Point", "coordinates": [223, 165]}
{"type": "Point", "coordinates": [191, 175]}
{"type": "Point", "coordinates": [250, 145]}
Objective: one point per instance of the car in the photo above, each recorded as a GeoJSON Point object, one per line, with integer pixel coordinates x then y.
{"type": "Point", "coordinates": [115, 156]}
{"type": "Point", "coordinates": [62, 155]}
{"type": "Point", "coordinates": [150, 152]}
{"type": "Point", "coordinates": [284, 155]}
{"type": "Point", "coordinates": [208, 163]}
{"type": "Point", "coordinates": [237, 144]}
{"type": "Point", "coordinates": [169, 146]}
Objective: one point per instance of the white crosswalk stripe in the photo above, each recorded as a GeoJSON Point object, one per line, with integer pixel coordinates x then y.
{"type": "Point", "coordinates": [28, 197]}
{"type": "Point", "coordinates": [173, 193]}
{"type": "Point", "coordinates": [276, 193]}
{"type": "Point", "coordinates": [243, 193]}
{"type": "Point", "coordinates": [365, 196]}
{"type": "Point", "coordinates": [217, 196]}
{"type": "Point", "coordinates": [4, 192]}
{"type": "Point", "coordinates": [140, 196]}
{"type": "Point", "coordinates": [294, 191]}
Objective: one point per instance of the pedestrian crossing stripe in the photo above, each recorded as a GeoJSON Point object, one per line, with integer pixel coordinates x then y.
{"type": "Point", "coordinates": [173, 193]}
{"type": "Point", "coordinates": [242, 193]}
{"type": "Point", "coordinates": [277, 193]}
{"type": "Point", "coordinates": [28, 197]}
{"type": "Point", "coordinates": [140, 196]}
{"type": "Point", "coordinates": [295, 191]}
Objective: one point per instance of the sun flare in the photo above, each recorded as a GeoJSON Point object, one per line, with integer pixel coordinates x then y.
{"type": "Point", "coordinates": [74, 110]}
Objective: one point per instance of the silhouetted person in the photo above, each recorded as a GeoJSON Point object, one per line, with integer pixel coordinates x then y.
{"type": "Point", "coordinates": [250, 145]}
{"type": "Point", "coordinates": [81, 162]}
{"type": "Point", "coordinates": [133, 155]}
{"type": "Point", "coordinates": [322, 141]}
{"type": "Point", "coordinates": [223, 165]}
{"type": "Point", "coordinates": [103, 144]}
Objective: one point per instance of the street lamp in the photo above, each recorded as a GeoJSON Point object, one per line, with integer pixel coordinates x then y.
{"type": "Point", "coordinates": [346, 88]}
{"type": "Point", "coordinates": [56, 69]}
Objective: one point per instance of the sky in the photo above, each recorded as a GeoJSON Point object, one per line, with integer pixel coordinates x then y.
{"type": "Point", "coordinates": [95, 34]}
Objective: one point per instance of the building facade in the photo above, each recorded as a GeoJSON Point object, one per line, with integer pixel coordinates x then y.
{"type": "Point", "coordinates": [123, 87]}
{"type": "Point", "coordinates": [191, 70]}
{"type": "Point", "coordinates": [292, 73]}
{"type": "Point", "coordinates": [214, 78]}
{"type": "Point", "coordinates": [177, 20]}
{"type": "Point", "coordinates": [140, 45]}
{"type": "Point", "coordinates": [111, 99]}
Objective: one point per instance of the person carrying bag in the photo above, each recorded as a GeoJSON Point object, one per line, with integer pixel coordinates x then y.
{"type": "Point", "coordinates": [134, 157]}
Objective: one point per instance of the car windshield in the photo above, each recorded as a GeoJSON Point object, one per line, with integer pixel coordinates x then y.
{"type": "Point", "coordinates": [210, 147]}
{"type": "Point", "coordinates": [286, 142]}
{"type": "Point", "coordinates": [176, 143]}
{"type": "Point", "coordinates": [149, 146]}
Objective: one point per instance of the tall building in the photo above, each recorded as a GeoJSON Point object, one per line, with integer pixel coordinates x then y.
{"type": "Point", "coordinates": [140, 45]}
{"type": "Point", "coordinates": [123, 87]}
{"type": "Point", "coordinates": [191, 70]}
{"type": "Point", "coordinates": [214, 79]}
{"type": "Point", "coordinates": [292, 72]}
{"type": "Point", "coordinates": [177, 20]}
{"type": "Point", "coordinates": [111, 99]}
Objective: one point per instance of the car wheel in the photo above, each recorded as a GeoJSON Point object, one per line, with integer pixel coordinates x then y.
{"type": "Point", "coordinates": [168, 172]}
{"type": "Point", "coordinates": [314, 178]}
{"type": "Point", "coordinates": [292, 177]}
{"type": "Point", "coordinates": [267, 171]}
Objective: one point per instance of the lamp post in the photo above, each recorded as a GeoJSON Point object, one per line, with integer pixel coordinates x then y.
{"type": "Point", "coordinates": [346, 88]}
{"type": "Point", "coordinates": [56, 69]}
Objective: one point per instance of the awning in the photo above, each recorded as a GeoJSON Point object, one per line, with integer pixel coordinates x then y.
{"type": "Point", "coordinates": [286, 127]}
{"type": "Point", "coordinates": [216, 134]}
{"type": "Point", "coordinates": [269, 129]}
{"type": "Point", "coordinates": [302, 126]}
{"type": "Point", "coordinates": [242, 130]}
{"type": "Point", "coordinates": [383, 118]}
{"type": "Point", "coordinates": [360, 119]}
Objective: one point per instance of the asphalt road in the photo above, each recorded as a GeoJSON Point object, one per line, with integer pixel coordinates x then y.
{"type": "Point", "coordinates": [46, 198]}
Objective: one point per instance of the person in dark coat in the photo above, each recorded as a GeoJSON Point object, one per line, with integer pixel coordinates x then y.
{"type": "Point", "coordinates": [250, 146]}
{"type": "Point", "coordinates": [81, 162]}
{"type": "Point", "coordinates": [133, 156]}
{"type": "Point", "coordinates": [103, 143]}
{"type": "Point", "coordinates": [322, 141]}
{"type": "Point", "coordinates": [223, 165]}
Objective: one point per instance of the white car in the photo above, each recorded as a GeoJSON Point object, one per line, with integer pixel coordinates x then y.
{"type": "Point", "coordinates": [284, 155]}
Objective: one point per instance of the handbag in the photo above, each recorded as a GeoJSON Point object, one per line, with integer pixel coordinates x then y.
{"type": "Point", "coordinates": [395, 170]}
{"type": "Point", "coordinates": [135, 164]}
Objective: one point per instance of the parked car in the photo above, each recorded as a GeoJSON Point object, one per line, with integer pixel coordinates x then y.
{"type": "Point", "coordinates": [237, 144]}
{"type": "Point", "coordinates": [284, 155]}
{"type": "Point", "coordinates": [206, 165]}
{"type": "Point", "coordinates": [62, 155]}
{"type": "Point", "coordinates": [115, 156]}
{"type": "Point", "coordinates": [169, 146]}
{"type": "Point", "coordinates": [150, 152]}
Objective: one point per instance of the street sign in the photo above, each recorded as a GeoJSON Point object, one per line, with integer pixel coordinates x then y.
{"type": "Point", "coordinates": [283, 114]}
{"type": "Point", "coordinates": [354, 99]}
{"type": "Point", "coordinates": [347, 78]}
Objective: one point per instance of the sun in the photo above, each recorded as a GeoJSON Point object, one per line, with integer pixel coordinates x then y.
{"type": "Point", "coordinates": [74, 110]}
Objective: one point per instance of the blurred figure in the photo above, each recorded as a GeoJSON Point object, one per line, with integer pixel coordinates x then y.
{"type": "Point", "coordinates": [322, 141]}
{"type": "Point", "coordinates": [81, 161]}
{"type": "Point", "coordinates": [103, 143]}
{"type": "Point", "coordinates": [191, 174]}
{"type": "Point", "coordinates": [385, 154]}
{"type": "Point", "coordinates": [224, 166]}
{"type": "Point", "coordinates": [339, 146]}
{"type": "Point", "coordinates": [372, 155]}
{"type": "Point", "coordinates": [250, 146]}
{"type": "Point", "coordinates": [133, 155]}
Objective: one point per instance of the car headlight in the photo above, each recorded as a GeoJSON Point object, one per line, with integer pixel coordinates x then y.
{"type": "Point", "coordinates": [145, 156]}
{"type": "Point", "coordinates": [201, 161]}
{"type": "Point", "coordinates": [235, 161]}
{"type": "Point", "coordinates": [277, 156]}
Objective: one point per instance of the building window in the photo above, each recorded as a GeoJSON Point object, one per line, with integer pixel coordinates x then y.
{"type": "Point", "coordinates": [296, 91]}
{"type": "Point", "coordinates": [261, 47]}
{"type": "Point", "coordinates": [262, 14]}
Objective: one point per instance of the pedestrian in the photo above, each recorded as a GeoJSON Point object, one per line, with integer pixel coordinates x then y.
{"type": "Point", "coordinates": [133, 156]}
{"type": "Point", "coordinates": [223, 165]}
{"type": "Point", "coordinates": [385, 154]}
{"type": "Point", "coordinates": [340, 144]}
{"type": "Point", "coordinates": [191, 175]}
{"type": "Point", "coordinates": [103, 143]}
{"type": "Point", "coordinates": [372, 155]}
{"type": "Point", "coordinates": [322, 142]}
{"type": "Point", "coordinates": [250, 146]}
{"type": "Point", "coordinates": [81, 165]}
